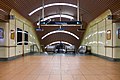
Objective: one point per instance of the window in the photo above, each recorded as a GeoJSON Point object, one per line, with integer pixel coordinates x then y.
{"type": "Point", "coordinates": [25, 38]}
{"type": "Point", "coordinates": [19, 36]}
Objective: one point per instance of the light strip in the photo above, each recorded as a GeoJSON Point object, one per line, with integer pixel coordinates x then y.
{"type": "Point", "coordinates": [53, 4]}
{"type": "Point", "coordinates": [56, 16]}
{"type": "Point", "coordinates": [59, 42]}
{"type": "Point", "coordinates": [60, 31]}
{"type": "Point", "coordinates": [3, 10]}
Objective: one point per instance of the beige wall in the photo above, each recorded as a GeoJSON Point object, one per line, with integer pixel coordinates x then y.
{"type": "Point", "coordinates": [10, 45]}
{"type": "Point", "coordinates": [95, 36]}
{"type": "Point", "coordinates": [116, 41]}
{"type": "Point", "coordinates": [4, 41]}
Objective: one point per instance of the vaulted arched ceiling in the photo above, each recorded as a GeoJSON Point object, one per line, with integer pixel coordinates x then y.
{"type": "Point", "coordinates": [90, 9]}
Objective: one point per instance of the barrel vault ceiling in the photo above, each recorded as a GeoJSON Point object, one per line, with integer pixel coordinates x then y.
{"type": "Point", "coordinates": [89, 9]}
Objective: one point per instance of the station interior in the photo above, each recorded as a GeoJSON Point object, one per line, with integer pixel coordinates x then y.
{"type": "Point", "coordinates": [59, 39]}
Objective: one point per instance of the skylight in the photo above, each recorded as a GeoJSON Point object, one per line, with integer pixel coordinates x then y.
{"type": "Point", "coordinates": [53, 4]}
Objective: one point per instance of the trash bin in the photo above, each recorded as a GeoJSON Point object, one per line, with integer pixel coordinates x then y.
{"type": "Point", "coordinates": [88, 49]}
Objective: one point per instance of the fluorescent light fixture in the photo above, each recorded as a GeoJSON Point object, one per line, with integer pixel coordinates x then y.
{"type": "Point", "coordinates": [22, 32]}
{"type": "Point", "coordinates": [56, 16]}
{"type": "Point", "coordinates": [60, 31]}
{"type": "Point", "coordinates": [3, 10]}
{"type": "Point", "coordinates": [61, 42]}
{"type": "Point", "coordinates": [56, 42]}
{"type": "Point", "coordinates": [53, 4]}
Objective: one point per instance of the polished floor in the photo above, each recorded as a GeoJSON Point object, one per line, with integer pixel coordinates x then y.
{"type": "Point", "coordinates": [59, 68]}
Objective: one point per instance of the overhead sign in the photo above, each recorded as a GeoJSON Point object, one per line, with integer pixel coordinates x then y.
{"type": "Point", "coordinates": [61, 23]}
{"type": "Point", "coordinates": [39, 29]}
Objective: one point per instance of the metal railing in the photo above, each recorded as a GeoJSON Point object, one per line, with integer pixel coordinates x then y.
{"type": "Point", "coordinates": [34, 48]}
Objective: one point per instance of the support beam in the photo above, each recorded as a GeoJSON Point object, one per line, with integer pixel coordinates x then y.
{"type": "Point", "coordinates": [43, 10]}
{"type": "Point", "coordinates": [78, 10]}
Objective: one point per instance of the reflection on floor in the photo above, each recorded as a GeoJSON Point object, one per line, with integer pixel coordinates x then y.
{"type": "Point", "coordinates": [59, 54]}
{"type": "Point", "coordinates": [59, 68]}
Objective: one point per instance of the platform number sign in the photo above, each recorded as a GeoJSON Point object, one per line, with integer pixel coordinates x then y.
{"type": "Point", "coordinates": [119, 33]}
{"type": "Point", "coordinates": [1, 33]}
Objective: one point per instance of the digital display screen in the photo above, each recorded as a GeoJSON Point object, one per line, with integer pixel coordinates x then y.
{"type": "Point", "coordinates": [62, 22]}
{"type": "Point", "coordinates": [39, 29]}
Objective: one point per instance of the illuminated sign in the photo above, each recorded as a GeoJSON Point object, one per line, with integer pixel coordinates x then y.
{"type": "Point", "coordinates": [62, 22]}
{"type": "Point", "coordinates": [39, 29]}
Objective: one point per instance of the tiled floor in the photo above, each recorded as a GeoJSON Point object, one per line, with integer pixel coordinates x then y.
{"type": "Point", "coordinates": [59, 68]}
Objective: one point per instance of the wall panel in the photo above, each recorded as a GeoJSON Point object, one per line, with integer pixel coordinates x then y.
{"type": "Point", "coordinates": [8, 45]}
{"type": "Point", "coordinates": [96, 35]}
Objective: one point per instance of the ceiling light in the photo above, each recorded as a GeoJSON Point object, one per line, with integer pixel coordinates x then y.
{"type": "Point", "coordinates": [56, 16]}
{"type": "Point", "coordinates": [56, 42]}
{"type": "Point", "coordinates": [53, 4]}
{"type": "Point", "coordinates": [60, 31]}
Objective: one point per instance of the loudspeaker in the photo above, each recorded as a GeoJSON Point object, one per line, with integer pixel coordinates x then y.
{"type": "Point", "coordinates": [110, 17]}
{"type": "Point", "coordinates": [11, 17]}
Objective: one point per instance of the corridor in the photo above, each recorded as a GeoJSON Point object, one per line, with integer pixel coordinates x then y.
{"type": "Point", "coordinates": [59, 68]}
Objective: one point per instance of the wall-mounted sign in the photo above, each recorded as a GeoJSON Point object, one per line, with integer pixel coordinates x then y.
{"type": "Point", "coordinates": [108, 34]}
{"type": "Point", "coordinates": [1, 33]}
{"type": "Point", "coordinates": [12, 34]}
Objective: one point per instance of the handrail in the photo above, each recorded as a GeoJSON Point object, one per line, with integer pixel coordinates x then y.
{"type": "Point", "coordinates": [33, 48]}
